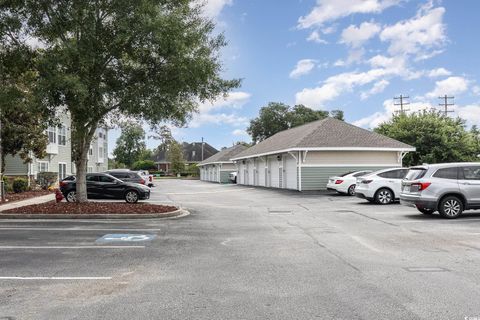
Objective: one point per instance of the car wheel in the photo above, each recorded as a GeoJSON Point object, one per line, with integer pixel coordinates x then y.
{"type": "Point", "coordinates": [450, 207]}
{"type": "Point", "coordinates": [131, 196]}
{"type": "Point", "coordinates": [384, 196]}
{"type": "Point", "coordinates": [71, 196]}
{"type": "Point", "coordinates": [351, 190]}
{"type": "Point", "coordinates": [426, 211]}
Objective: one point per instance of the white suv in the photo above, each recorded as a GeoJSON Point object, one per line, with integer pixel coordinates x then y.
{"type": "Point", "coordinates": [382, 187]}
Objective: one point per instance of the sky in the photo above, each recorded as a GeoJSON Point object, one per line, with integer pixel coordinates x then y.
{"type": "Point", "coordinates": [353, 55]}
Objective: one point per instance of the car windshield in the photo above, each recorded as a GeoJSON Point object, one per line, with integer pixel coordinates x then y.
{"type": "Point", "coordinates": [415, 173]}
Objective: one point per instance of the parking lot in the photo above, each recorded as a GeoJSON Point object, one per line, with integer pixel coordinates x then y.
{"type": "Point", "coordinates": [244, 253]}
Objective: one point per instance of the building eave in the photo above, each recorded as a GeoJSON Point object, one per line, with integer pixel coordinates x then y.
{"type": "Point", "coordinates": [326, 149]}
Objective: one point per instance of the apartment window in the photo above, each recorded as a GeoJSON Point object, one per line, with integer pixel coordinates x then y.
{"type": "Point", "coordinates": [193, 154]}
{"type": "Point", "coordinates": [62, 170]}
{"type": "Point", "coordinates": [89, 169]}
{"type": "Point", "coordinates": [42, 166]}
{"type": "Point", "coordinates": [62, 136]}
{"type": "Point", "coordinates": [90, 151]}
{"type": "Point", "coordinates": [52, 135]}
{"type": "Point", "coordinates": [100, 152]}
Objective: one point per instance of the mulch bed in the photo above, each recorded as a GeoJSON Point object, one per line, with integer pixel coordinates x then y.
{"type": "Point", "coordinates": [92, 208]}
{"type": "Point", "coordinates": [12, 197]}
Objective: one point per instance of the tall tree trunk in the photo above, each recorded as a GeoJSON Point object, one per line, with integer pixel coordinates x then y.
{"type": "Point", "coordinates": [81, 183]}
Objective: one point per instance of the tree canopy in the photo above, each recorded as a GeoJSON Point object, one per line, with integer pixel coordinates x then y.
{"type": "Point", "coordinates": [130, 145]}
{"type": "Point", "coordinates": [438, 138]}
{"type": "Point", "coordinates": [276, 117]}
{"type": "Point", "coordinates": [23, 124]}
{"type": "Point", "coordinates": [148, 59]}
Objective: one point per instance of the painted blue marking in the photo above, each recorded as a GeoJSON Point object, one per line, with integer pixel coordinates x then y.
{"type": "Point", "coordinates": [125, 237]}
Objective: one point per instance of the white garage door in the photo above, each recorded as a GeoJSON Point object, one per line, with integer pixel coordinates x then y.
{"type": "Point", "coordinates": [274, 173]}
{"type": "Point", "coordinates": [240, 175]}
{"type": "Point", "coordinates": [261, 173]}
{"type": "Point", "coordinates": [290, 172]}
{"type": "Point", "coordinates": [251, 170]}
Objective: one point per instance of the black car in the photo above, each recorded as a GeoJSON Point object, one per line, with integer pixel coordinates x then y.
{"type": "Point", "coordinates": [127, 175]}
{"type": "Point", "coordinates": [105, 186]}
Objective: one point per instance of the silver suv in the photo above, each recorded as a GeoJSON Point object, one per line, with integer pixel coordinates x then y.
{"type": "Point", "coordinates": [449, 188]}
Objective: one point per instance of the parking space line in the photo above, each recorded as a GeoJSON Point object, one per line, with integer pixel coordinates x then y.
{"type": "Point", "coordinates": [208, 192]}
{"type": "Point", "coordinates": [55, 278]}
{"type": "Point", "coordinates": [73, 229]}
{"type": "Point", "coordinates": [70, 247]}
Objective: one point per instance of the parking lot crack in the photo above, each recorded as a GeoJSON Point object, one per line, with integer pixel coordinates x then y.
{"type": "Point", "coordinates": [323, 246]}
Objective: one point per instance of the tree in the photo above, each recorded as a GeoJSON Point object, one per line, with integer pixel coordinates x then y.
{"type": "Point", "coordinates": [147, 59]}
{"type": "Point", "coordinates": [144, 165]}
{"type": "Point", "coordinates": [337, 114]}
{"type": "Point", "coordinates": [272, 119]}
{"type": "Point", "coordinates": [276, 117]}
{"type": "Point", "coordinates": [130, 145]}
{"type": "Point", "coordinates": [23, 125]}
{"type": "Point", "coordinates": [175, 157]}
{"type": "Point", "coordinates": [438, 138]}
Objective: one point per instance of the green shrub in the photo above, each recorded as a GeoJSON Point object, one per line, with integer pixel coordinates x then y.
{"type": "Point", "coordinates": [144, 165]}
{"type": "Point", "coordinates": [20, 185]}
{"type": "Point", "coordinates": [7, 185]}
{"type": "Point", "coordinates": [47, 179]}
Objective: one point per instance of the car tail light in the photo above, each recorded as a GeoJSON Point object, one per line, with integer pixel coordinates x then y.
{"type": "Point", "coordinates": [142, 181]}
{"type": "Point", "coordinates": [63, 183]}
{"type": "Point", "coordinates": [338, 181]}
{"type": "Point", "coordinates": [419, 186]}
{"type": "Point", "coordinates": [367, 181]}
{"type": "Point", "coordinates": [150, 178]}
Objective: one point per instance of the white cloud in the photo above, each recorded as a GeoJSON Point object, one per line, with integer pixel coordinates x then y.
{"type": "Point", "coordinates": [471, 113]}
{"type": "Point", "coordinates": [302, 68]}
{"type": "Point", "coordinates": [449, 86]}
{"type": "Point", "coordinates": [439, 72]}
{"type": "Point", "coordinates": [356, 36]}
{"type": "Point", "coordinates": [235, 99]}
{"type": "Point", "coordinates": [476, 90]}
{"type": "Point", "coordinates": [330, 10]}
{"type": "Point", "coordinates": [390, 108]}
{"type": "Point", "coordinates": [212, 8]}
{"type": "Point", "coordinates": [218, 119]}
{"type": "Point", "coordinates": [316, 37]}
{"type": "Point", "coordinates": [239, 132]}
{"type": "Point", "coordinates": [417, 36]}
{"type": "Point", "coordinates": [207, 114]}
{"type": "Point", "coordinates": [378, 87]}
{"type": "Point", "coordinates": [335, 85]}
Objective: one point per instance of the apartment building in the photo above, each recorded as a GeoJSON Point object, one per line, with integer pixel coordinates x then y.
{"type": "Point", "coordinates": [59, 154]}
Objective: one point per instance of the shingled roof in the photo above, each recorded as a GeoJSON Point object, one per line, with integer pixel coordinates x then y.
{"type": "Point", "coordinates": [224, 155]}
{"type": "Point", "coordinates": [328, 133]}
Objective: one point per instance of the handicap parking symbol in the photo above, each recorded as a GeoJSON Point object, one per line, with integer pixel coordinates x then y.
{"type": "Point", "coordinates": [125, 237]}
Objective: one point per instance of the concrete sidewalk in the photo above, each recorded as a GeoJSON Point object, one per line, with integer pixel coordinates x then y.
{"type": "Point", "coordinates": [27, 202]}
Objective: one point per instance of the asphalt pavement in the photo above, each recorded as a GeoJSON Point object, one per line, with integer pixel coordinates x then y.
{"type": "Point", "coordinates": [244, 253]}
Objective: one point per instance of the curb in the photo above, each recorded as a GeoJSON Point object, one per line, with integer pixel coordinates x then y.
{"type": "Point", "coordinates": [180, 213]}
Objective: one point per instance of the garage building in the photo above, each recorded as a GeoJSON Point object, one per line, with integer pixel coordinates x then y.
{"type": "Point", "coordinates": [302, 158]}
{"type": "Point", "coordinates": [218, 167]}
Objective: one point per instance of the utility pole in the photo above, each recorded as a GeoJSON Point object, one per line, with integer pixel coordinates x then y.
{"type": "Point", "coordinates": [446, 103]}
{"type": "Point", "coordinates": [402, 103]}
{"type": "Point", "coordinates": [202, 148]}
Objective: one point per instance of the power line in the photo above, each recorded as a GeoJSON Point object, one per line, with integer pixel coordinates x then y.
{"type": "Point", "coordinates": [402, 103]}
{"type": "Point", "coordinates": [446, 103]}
